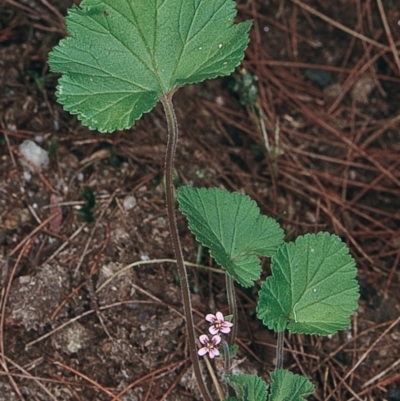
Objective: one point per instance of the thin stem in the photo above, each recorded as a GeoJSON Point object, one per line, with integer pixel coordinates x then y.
{"type": "Point", "coordinates": [230, 292]}
{"type": "Point", "coordinates": [227, 368]}
{"type": "Point", "coordinates": [214, 379]}
{"type": "Point", "coordinates": [166, 100]}
{"type": "Point", "coordinates": [279, 349]}
{"type": "Point", "coordinates": [227, 357]}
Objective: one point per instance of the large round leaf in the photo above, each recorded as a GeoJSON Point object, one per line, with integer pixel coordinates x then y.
{"type": "Point", "coordinates": [122, 55]}
{"type": "Point", "coordinates": [312, 289]}
{"type": "Point", "coordinates": [231, 226]}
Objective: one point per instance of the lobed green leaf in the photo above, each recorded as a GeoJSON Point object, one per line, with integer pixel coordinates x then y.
{"type": "Point", "coordinates": [248, 387]}
{"type": "Point", "coordinates": [312, 289]}
{"type": "Point", "coordinates": [287, 386]}
{"type": "Point", "coordinates": [231, 226]}
{"type": "Point", "coordinates": [121, 56]}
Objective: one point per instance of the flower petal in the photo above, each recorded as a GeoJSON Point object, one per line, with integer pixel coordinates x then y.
{"type": "Point", "coordinates": [216, 339]}
{"type": "Point", "coordinates": [213, 353]}
{"type": "Point", "coordinates": [219, 316]}
{"type": "Point", "coordinates": [213, 330]}
{"type": "Point", "coordinates": [204, 339]}
{"type": "Point", "coordinates": [202, 351]}
{"type": "Point", "coordinates": [210, 318]}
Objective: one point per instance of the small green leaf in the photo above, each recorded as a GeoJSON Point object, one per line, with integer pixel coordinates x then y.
{"type": "Point", "coordinates": [312, 289]}
{"type": "Point", "coordinates": [122, 55]}
{"type": "Point", "coordinates": [287, 386]}
{"type": "Point", "coordinates": [231, 226]}
{"type": "Point", "coordinates": [248, 387]}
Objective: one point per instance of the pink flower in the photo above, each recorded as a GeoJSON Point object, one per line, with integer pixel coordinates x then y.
{"type": "Point", "coordinates": [218, 323]}
{"type": "Point", "coordinates": [209, 345]}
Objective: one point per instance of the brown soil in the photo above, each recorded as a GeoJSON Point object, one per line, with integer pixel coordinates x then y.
{"type": "Point", "coordinates": [328, 102]}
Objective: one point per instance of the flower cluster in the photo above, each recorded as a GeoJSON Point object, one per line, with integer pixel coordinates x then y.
{"type": "Point", "coordinates": [218, 325]}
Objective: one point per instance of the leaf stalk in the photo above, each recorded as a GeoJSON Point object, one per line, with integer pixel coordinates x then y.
{"type": "Point", "coordinates": [166, 100]}
{"type": "Point", "coordinates": [279, 349]}
{"type": "Point", "coordinates": [230, 292]}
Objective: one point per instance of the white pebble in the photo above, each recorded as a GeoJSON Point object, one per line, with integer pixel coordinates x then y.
{"type": "Point", "coordinates": [27, 175]}
{"type": "Point", "coordinates": [129, 202]}
{"type": "Point", "coordinates": [34, 154]}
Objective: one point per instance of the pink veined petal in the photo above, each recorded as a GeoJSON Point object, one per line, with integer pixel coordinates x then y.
{"type": "Point", "coordinates": [213, 353]}
{"type": "Point", "coordinates": [202, 351]}
{"type": "Point", "coordinates": [216, 340]}
{"type": "Point", "coordinates": [213, 330]}
{"type": "Point", "coordinates": [204, 339]}
{"type": "Point", "coordinates": [210, 318]}
{"type": "Point", "coordinates": [224, 330]}
{"type": "Point", "coordinates": [219, 316]}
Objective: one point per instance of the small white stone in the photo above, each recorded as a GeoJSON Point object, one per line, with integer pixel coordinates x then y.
{"type": "Point", "coordinates": [27, 175]}
{"type": "Point", "coordinates": [34, 154]}
{"type": "Point", "coordinates": [129, 202]}
{"type": "Point", "coordinates": [25, 279]}
{"type": "Point", "coordinates": [219, 100]}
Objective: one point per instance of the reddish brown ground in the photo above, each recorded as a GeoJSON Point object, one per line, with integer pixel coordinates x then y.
{"type": "Point", "coordinates": [331, 163]}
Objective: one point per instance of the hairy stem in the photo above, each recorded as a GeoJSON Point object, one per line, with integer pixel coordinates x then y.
{"type": "Point", "coordinates": [279, 349]}
{"type": "Point", "coordinates": [214, 379]}
{"type": "Point", "coordinates": [166, 100]}
{"type": "Point", "coordinates": [230, 291]}
{"type": "Point", "coordinates": [227, 357]}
